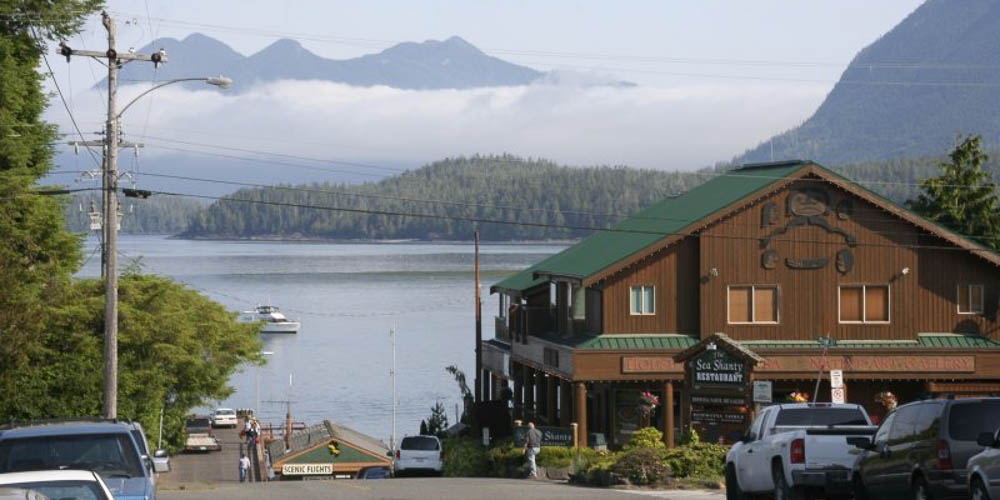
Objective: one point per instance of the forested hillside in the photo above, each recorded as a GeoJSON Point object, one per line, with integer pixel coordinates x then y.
{"type": "Point", "coordinates": [154, 215]}
{"type": "Point", "coordinates": [490, 187]}
{"type": "Point", "coordinates": [497, 188]}
{"type": "Point", "coordinates": [909, 93]}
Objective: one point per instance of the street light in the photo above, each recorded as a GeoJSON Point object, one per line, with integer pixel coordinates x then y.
{"type": "Point", "coordinates": [219, 81]}
{"type": "Point", "coordinates": [256, 372]}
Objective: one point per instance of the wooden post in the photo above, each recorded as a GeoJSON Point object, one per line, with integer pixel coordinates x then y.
{"type": "Point", "coordinates": [565, 404]}
{"type": "Point", "coordinates": [516, 371]}
{"type": "Point", "coordinates": [529, 392]}
{"type": "Point", "coordinates": [550, 400]}
{"type": "Point", "coordinates": [581, 411]}
{"type": "Point", "coordinates": [668, 407]}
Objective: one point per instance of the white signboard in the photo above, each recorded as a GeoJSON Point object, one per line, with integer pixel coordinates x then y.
{"type": "Point", "coordinates": [837, 395]}
{"type": "Point", "coordinates": [762, 391]}
{"type": "Point", "coordinates": [836, 379]}
{"type": "Point", "coordinates": [306, 469]}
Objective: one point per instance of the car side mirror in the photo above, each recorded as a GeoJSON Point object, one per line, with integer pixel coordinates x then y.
{"type": "Point", "coordinates": [861, 442]}
{"type": "Point", "coordinates": [161, 453]}
{"type": "Point", "coordinates": [986, 439]}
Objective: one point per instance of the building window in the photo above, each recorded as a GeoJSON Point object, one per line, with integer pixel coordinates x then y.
{"type": "Point", "coordinates": [751, 304]}
{"type": "Point", "coordinates": [970, 299]}
{"type": "Point", "coordinates": [864, 304]}
{"type": "Point", "coordinates": [642, 300]}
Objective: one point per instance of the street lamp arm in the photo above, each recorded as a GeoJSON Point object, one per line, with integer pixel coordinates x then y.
{"type": "Point", "coordinates": [219, 81]}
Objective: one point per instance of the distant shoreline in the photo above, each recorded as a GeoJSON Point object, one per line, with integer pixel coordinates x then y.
{"type": "Point", "coordinates": [411, 241]}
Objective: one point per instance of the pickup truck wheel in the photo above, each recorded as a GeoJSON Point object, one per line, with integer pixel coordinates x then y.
{"type": "Point", "coordinates": [860, 492]}
{"type": "Point", "coordinates": [919, 489]}
{"type": "Point", "coordinates": [782, 490]}
{"type": "Point", "coordinates": [979, 490]}
{"type": "Point", "coordinates": [733, 491]}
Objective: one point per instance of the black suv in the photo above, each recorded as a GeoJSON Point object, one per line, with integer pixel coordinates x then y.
{"type": "Point", "coordinates": [921, 449]}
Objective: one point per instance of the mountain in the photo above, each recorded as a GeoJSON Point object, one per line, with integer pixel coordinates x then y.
{"type": "Point", "coordinates": [910, 93]}
{"type": "Point", "coordinates": [450, 64]}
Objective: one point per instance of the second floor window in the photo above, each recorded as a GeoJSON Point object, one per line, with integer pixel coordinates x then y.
{"type": "Point", "coordinates": [753, 304]}
{"type": "Point", "coordinates": [642, 300]}
{"type": "Point", "coordinates": [864, 304]}
{"type": "Point", "coordinates": [970, 299]}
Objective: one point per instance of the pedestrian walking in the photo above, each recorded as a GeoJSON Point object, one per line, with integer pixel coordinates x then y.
{"type": "Point", "coordinates": [532, 446]}
{"type": "Point", "coordinates": [244, 467]}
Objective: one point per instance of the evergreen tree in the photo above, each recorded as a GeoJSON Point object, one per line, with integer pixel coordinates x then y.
{"type": "Point", "coordinates": [438, 421]}
{"type": "Point", "coordinates": [963, 198]}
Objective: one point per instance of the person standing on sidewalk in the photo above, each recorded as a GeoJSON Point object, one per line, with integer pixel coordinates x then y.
{"type": "Point", "coordinates": [244, 467]}
{"type": "Point", "coordinates": [532, 446]}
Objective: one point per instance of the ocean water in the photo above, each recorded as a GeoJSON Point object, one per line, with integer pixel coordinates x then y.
{"type": "Point", "coordinates": [348, 297]}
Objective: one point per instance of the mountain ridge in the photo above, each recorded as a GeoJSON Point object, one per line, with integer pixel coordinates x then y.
{"type": "Point", "coordinates": [453, 63]}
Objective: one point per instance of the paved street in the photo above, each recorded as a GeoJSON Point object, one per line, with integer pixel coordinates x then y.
{"type": "Point", "coordinates": [193, 469]}
{"type": "Point", "coordinates": [417, 488]}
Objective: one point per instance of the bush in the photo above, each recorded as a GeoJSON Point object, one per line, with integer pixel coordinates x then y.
{"type": "Point", "coordinates": [642, 466]}
{"type": "Point", "coordinates": [701, 460]}
{"type": "Point", "coordinates": [465, 457]}
{"type": "Point", "coordinates": [647, 437]}
{"type": "Point", "coordinates": [594, 467]}
{"type": "Point", "coordinates": [506, 460]}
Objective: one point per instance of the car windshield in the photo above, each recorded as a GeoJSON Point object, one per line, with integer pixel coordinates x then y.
{"type": "Point", "coordinates": [967, 420]}
{"type": "Point", "coordinates": [225, 412]}
{"type": "Point", "coordinates": [69, 490]}
{"type": "Point", "coordinates": [419, 443]}
{"type": "Point", "coordinates": [110, 455]}
{"type": "Point", "coordinates": [820, 416]}
{"type": "Point", "coordinates": [196, 423]}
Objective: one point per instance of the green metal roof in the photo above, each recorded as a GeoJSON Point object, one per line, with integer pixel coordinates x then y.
{"type": "Point", "coordinates": [622, 342]}
{"type": "Point", "coordinates": [674, 215]}
{"type": "Point", "coordinates": [604, 248]}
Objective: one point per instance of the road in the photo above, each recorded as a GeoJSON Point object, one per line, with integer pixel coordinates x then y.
{"type": "Point", "coordinates": [417, 488]}
{"type": "Point", "coordinates": [201, 469]}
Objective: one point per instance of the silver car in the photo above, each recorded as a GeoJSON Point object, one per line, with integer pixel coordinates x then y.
{"type": "Point", "coordinates": [984, 468]}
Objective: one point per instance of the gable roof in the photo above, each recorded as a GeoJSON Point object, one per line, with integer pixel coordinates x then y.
{"type": "Point", "coordinates": [661, 224]}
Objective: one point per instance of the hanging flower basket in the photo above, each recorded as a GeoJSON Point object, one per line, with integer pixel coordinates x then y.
{"type": "Point", "coordinates": [887, 399]}
{"type": "Point", "coordinates": [798, 397]}
{"type": "Point", "coordinates": [647, 403]}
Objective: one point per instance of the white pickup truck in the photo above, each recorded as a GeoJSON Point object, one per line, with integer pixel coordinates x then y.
{"type": "Point", "coordinates": [199, 435]}
{"type": "Point", "coordinates": [795, 449]}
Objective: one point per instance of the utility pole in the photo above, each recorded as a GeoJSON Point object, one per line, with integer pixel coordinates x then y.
{"type": "Point", "coordinates": [110, 190]}
{"type": "Point", "coordinates": [392, 373]}
{"type": "Point", "coordinates": [479, 329]}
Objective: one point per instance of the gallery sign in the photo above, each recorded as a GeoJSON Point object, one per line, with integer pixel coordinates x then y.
{"type": "Point", "coordinates": [306, 469]}
{"type": "Point", "coordinates": [718, 367]}
{"type": "Point", "coordinates": [870, 364]}
{"type": "Point", "coordinates": [718, 417]}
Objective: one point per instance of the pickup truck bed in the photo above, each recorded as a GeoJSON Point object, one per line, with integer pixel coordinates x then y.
{"type": "Point", "coordinates": [794, 449]}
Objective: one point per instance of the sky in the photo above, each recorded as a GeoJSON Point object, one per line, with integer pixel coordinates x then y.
{"type": "Point", "coordinates": [714, 77]}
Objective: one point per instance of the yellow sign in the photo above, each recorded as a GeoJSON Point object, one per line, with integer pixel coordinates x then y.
{"type": "Point", "coordinates": [306, 469]}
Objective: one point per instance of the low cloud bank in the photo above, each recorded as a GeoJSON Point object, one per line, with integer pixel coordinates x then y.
{"type": "Point", "coordinates": [563, 120]}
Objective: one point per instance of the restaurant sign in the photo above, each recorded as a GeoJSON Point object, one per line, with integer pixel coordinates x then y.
{"type": "Point", "coordinates": [551, 436]}
{"type": "Point", "coordinates": [718, 367]}
{"type": "Point", "coordinates": [306, 469]}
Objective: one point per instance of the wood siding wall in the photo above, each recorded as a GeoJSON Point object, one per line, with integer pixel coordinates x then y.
{"type": "Point", "coordinates": [674, 273]}
{"type": "Point", "coordinates": [921, 301]}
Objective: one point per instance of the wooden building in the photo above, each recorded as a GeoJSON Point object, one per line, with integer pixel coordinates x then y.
{"type": "Point", "coordinates": [774, 256]}
{"type": "Point", "coordinates": [326, 450]}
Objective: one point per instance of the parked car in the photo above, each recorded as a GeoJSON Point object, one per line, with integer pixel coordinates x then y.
{"type": "Point", "coordinates": [224, 417]}
{"type": "Point", "coordinates": [376, 472]}
{"type": "Point", "coordinates": [419, 454]}
{"type": "Point", "coordinates": [56, 484]}
{"type": "Point", "coordinates": [20, 494]}
{"type": "Point", "coordinates": [199, 437]}
{"type": "Point", "coordinates": [984, 468]}
{"type": "Point", "coordinates": [794, 449]}
{"type": "Point", "coordinates": [922, 449]}
{"type": "Point", "coordinates": [105, 447]}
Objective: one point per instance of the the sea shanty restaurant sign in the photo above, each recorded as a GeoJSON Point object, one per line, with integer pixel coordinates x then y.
{"type": "Point", "coordinates": [306, 469]}
{"type": "Point", "coordinates": [718, 367]}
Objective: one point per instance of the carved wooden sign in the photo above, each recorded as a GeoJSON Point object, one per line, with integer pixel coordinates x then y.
{"type": "Point", "coordinates": [650, 364]}
{"type": "Point", "coordinates": [808, 207]}
{"type": "Point", "coordinates": [868, 363]}
{"type": "Point", "coordinates": [808, 202]}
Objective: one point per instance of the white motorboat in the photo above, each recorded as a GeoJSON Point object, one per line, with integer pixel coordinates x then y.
{"type": "Point", "coordinates": [274, 321]}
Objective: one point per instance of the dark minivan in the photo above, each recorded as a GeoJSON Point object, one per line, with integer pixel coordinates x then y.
{"type": "Point", "coordinates": [921, 449]}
